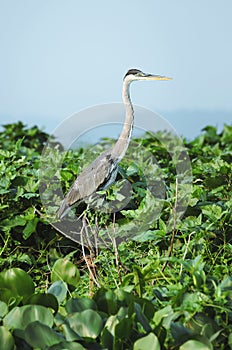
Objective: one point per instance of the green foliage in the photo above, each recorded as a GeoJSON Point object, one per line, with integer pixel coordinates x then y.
{"type": "Point", "coordinates": [65, 270]}
{"type": "Point", "coordinates": [148, 297]}
{"type": "Point", "coordinates": [15, 285]}
{"type": "Point", "coordinates": [150, 341]}
{"type": "Point", "coordinates": [25, 237]}
{"type": "Point", "coordinates": [132, 323]}
{"type": "Point", "coordinates": [6, 338]}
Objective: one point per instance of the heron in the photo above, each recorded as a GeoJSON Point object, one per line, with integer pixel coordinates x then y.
{"type": "Point", "coordinates": [102, 172]}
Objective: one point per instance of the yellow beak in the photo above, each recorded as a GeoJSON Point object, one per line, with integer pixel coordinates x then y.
{"type": "Point", "coordinates": [156, 77]}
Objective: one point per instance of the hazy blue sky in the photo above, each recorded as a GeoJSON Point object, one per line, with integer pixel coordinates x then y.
{"type": "Point", "coordinates": [61, 56]}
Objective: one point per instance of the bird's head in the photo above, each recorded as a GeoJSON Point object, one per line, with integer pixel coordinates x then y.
{"type": "Point", "coordinates": [136, 74]}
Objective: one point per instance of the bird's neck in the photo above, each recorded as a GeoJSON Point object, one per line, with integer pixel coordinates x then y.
{"type": "Point", "coordinates": [121, 145]}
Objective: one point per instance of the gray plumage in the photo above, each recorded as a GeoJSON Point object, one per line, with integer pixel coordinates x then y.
{"type": "Point", "coordinates": [102, 172]}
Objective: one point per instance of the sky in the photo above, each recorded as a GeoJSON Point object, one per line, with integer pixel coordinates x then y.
{"type": "Point", "coordinates": [59, 57]}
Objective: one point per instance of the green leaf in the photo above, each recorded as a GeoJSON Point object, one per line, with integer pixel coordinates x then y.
{"type": "Point", "coordinates": [142, 318]}
{"type": "Point", "coordinates": [30, 227]}
{"type": "Point", "coordinates": [80, 304]}
{"type": "Point", "coordinates": [17, 282]}
{"type": "Point", "coordinates": [179, 331]}
{"type": "Point", "coordinates": [21, 317]}
{"type": "Point", "coordinates": [66, 271]}
{"type": "Point", "coordinates": [106, 301]}
{"type": "Point", "coordinates": [164, 313]}
{"type": "Point", "coordinates": [230, 340]}
{"type": "Point", "coordinates": [3, 309]}
{"type": "Point", "coordinates": [66, 175]}
{"type": "Point", "coordinates": [227, 135]}
{"type": "Point", "coordinates": [123, 298]}
{"type": "Point", "coordinates": [59, 290]}
{"type": "Point", "coordinates": [70, 334]}
{"type": "Point", "coordinates": [204, 325]}
{"type": "Point", "coordinates": [123, 328]}
{"type": "Point", "coordinates": [214, 212]}
{"type": "Point", "coordinates": [47, 300]}
{"type": "Point", "coordinates": [226, 286]}
{"type": "Point", "coordinates": [39, 335]}
{"type": "Point", "coordinates": [156, 236]}
{"type": "Point", "coordinates": [10, 297]}
{"type": "Point", "coordinates": [107, 338]}
{"type": "Point", "coordinates": [67, 346]}
{"type": "Point", "coordinates": [108, 333]}
{"type": "Point", "coordinates": [87, 324]}
{"type": "Point", "coordinates": [6, 339]}
{"type": "Point", "coordinates": [210, 133]}
{"type": "Point", "coordinates": [138, 280]}
{"type": "Point", "coordinates": [15, 221]}
{"type": "Point", "coordinates": [150, 342]}
{"type": "Point", "coordinates": [194, 345]}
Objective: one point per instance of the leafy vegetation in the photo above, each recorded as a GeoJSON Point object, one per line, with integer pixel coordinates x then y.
{"type": "Point", "coordinates": [160, 289]}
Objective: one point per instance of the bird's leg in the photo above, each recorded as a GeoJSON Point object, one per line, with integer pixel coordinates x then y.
{"type": "Point", "coordinates": [89, 259]}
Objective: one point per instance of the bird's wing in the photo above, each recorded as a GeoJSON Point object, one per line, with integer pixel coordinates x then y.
{"type": "Point", "coordinates": [91, 179]}
{"type": "Point", "coordinates": [96, 176]}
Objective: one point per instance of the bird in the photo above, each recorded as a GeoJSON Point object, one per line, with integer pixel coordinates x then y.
{"type": "Point", "coordinates": [102, 172]}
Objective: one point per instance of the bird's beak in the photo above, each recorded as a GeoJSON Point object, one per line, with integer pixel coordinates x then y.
{"type": "Point", "coordinates": [155, 77]}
